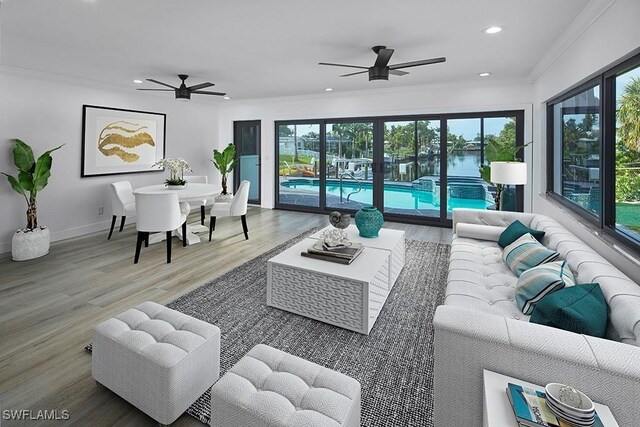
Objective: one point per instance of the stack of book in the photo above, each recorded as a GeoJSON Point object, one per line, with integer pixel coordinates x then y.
{"type": "Point", "coordinates": [531, 409]}
{"type": "Point", "coordinates": [341, 254]}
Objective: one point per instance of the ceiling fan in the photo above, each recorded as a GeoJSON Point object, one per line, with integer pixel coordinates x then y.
{"type": "Point", "coordinates": [184, 92]}
{"type": "Point", "coordinates": [381, 69]}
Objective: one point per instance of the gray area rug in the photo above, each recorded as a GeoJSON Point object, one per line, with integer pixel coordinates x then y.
{"type": "Point", "coordinates": [394, 363]}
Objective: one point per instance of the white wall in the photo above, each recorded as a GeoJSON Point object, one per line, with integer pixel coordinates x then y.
{"type": "Point", "coordinates": [483, 96]}
{"type": "Point", "coordinates": [611, 36]}
{"type": "Point", "coordinates": [46, 111]}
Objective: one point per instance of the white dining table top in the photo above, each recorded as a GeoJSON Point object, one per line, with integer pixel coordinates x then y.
{"type": "Point", "coordinates": [192, 191]}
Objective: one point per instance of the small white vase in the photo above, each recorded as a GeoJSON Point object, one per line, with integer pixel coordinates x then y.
{"type": "Point", "coordinates": [30, 244]}
{"type": "Point", "coordinates": [176, 187]}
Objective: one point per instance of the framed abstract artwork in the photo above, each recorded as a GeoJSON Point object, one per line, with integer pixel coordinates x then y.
{"type": "Point", "coordinates": [117, 141]}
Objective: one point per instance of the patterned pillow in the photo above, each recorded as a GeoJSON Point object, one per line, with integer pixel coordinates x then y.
{"type": "Point", "coordinates": [539, 281]}
{"type": "Point", "coordinates": [525, 253]}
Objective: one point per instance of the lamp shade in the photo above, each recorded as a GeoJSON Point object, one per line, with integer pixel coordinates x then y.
{"type": "Point", "coordinates": [510, 173]}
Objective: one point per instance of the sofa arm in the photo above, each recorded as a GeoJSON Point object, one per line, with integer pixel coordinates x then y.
{"type": "Point", "coordinates": [485, 217]}
{"type": "Point", "coordinates": [466, 342]}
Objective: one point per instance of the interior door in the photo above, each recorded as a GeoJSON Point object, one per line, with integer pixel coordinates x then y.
{"type": "Point", "coordinates": [246, 135]}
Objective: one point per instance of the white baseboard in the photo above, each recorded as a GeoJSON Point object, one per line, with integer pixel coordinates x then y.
{"type": "Point", "coordinates": [70, 232]}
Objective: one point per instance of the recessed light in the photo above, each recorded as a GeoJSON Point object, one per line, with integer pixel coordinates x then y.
{"type": "Point", "coordinates": [484, 74]}
{"type": "Point", "coordinates": [492, 30]}
{"type": "Point", "coordinates": [227, 97]}
{"type": "Point", "coordinates": [329, 89]}
{"type": "Point", "coordinates": [136, 81]}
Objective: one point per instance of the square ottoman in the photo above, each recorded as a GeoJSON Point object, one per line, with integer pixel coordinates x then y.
{"type": "Point", "coordinates": [269, 387]}
{"type": "Point", "coordinates": [159, 360]}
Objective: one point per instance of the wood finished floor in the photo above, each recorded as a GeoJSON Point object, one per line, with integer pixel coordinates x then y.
{"type": "Point", "coordinates": [49, 306]}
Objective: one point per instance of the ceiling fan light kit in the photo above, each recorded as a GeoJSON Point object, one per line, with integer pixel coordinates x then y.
{"type": "Point", "coordinates": [381, 68]}
{"type": "Point", "coordinates": [183, 93]}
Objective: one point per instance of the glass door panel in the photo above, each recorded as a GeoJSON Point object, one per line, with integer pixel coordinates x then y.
{"type": "Point", "coordinates": [465, 187]}
{"type": "Point", "coordinates": [247, 142]}
{"type": "Point", "coordinates": [299, 164]}
{"type": "Point", "coordinates": [411, 168]}
{"type": "Point", "coordinates": [349, 165]}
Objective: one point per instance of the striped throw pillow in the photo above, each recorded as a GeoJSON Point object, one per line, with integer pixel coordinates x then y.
{"type": "Point", "coordinates": [526, 252]}
{"type": "Point", "coordinates": [537, 282]}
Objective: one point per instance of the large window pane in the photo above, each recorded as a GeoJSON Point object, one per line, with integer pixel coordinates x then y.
{"type": "Point", "coordinates": [349, 175]}
{"type": "Point", "coordinates": [577, 149]}
{"type": "Point", "coordinates": [298, 164]}
{"type": "Point", "coordinates": [627, 154]}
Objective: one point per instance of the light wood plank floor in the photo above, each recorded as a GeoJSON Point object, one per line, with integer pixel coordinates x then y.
{"type": "Point", "coordinates": [49, 306]}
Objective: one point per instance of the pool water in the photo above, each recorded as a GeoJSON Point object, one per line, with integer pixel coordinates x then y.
{"type": "Point", "coordinates": [395, 196]}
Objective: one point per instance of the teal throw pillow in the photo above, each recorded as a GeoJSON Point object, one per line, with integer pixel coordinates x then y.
{"type": "Point", "coordinates": [581, 309]}
{"type": "Point", "coordinates": [538, 282]}
{"type": "Point", "coordinates": [526, 252]}
{"type": "Point", "coordinates": [514, 231]}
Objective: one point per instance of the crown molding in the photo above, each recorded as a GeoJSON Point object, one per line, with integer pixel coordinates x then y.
{"type": "Point", "coordinates": [590, 14]}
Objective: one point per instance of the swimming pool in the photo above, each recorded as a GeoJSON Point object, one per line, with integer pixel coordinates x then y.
{"type": "Point", "coordinates": [401, 196]}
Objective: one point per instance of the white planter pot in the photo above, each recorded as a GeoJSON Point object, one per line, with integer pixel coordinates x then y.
{"type": "Point", "coordinates": [30, 244]}
{"type": "Point", "coordinates": [176, 187]}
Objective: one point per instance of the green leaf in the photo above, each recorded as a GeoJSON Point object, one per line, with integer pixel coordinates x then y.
{"type": "Point", "coordinates": [23, 156]}
{"type": "Point", "coordinates": [15, 184]}
{"type": "Point", "coordinates": [42, 170]}
{"type": "Point", "coordinates": [26, 180]}
{"type": "Point", "coordinates": [485, 173]}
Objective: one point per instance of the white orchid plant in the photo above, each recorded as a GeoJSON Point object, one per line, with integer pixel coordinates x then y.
{"type": "Point", "coordinates": [176, 167]}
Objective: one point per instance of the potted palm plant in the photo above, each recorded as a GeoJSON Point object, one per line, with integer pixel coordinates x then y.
{"type": "Point", "coordinates": [33, 176]}
{"type": "Point", "coordinates": [224, 161]}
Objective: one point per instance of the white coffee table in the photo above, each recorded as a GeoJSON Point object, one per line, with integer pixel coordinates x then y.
{"type": "Point", "coordinates": [498, 411]}
{"type": "Point", "coordinates": [348, 296]}
{"type": "Point", "coordinates": [389, 240]}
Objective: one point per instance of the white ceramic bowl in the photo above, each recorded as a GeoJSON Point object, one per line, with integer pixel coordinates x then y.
{"type": "Point", "coordinates": [585, 409]}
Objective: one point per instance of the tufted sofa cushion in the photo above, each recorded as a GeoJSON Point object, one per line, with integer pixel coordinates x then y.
{"type": "Point", "coordinates": [269, 387]}
{"type": "Point", "coordinates": [492, 290]}
{"type": "Point", "coordinates": [156, 358]}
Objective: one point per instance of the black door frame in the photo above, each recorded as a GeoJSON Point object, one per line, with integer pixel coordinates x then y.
{"type": "Point", "coordinates": [236, 141]}
{"type": "Point", "coordinates": [378, 164]}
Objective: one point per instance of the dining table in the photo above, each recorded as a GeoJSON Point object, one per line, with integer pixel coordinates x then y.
{"type": "Point", "coordinates": [191, 192]}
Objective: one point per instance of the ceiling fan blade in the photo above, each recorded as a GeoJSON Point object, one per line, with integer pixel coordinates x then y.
{"type": "Point", "coordinates": [398, 72]}
{"type": "Point", "coordinates": [200, 86]}
{"type": "Point", "coordinates": [206, 92]}
{"type": "Point", "coordinates": [417, 63]}
{"type": "Point", "coordinates": [353, 74]}
{"type": "Point", "coordinates": [159, 90]}
{"type": "Point", "coordinates": [384, 55]}
{"type": "Point", "coordinates": [160, 83]}
{"type": "Point", "coordinates": [343, 65]}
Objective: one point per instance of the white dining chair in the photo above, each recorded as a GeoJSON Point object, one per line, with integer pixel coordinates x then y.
{"type": "Point", "coordinates": [236, 207]}
{"type": "Point", "coordinates": [158, 212]}
{"type": "Point", "coordinates": [123, 203]}
{"type": "Point", "coordinates": [199, 179]}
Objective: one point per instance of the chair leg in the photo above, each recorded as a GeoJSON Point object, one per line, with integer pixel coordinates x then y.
{"type": "Point", "coordinates": [184, 233]}
{"type": "Point", "coordinates": [122, 223]}
{"type": "Point", "coordinates": [113, 223]}
{"type": "Point", "coordinates": [146, 240]}
{"type": "Point", "coordinates": [141, 237]}
{"type": "Point", "coordinates": [169, 247]}
{"type": "Point", "coordinates": [244, 226]}
{"type": "Point", "coordinates": [202, 215]}
{"type": "Point", "coordinates": [212, 226]}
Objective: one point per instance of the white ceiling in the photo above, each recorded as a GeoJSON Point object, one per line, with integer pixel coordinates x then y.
{"type": "Point", "coordinates": [258, 48]}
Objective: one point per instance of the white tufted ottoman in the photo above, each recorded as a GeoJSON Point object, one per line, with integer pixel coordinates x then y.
{"type": "Point", "coordinates": [159, 360]}
{"type": "Point", "coordinates": [269, 387]}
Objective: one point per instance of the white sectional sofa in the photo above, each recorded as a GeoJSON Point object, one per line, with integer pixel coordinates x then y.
{"type": "Point", "coordinates": [479, 326]}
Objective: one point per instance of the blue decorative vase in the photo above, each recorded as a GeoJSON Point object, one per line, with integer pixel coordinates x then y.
{"type": "Point", "coordinates": [369, 221]}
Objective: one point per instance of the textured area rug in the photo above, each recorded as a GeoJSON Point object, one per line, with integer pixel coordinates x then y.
{"type": "Point", "coordinates": [394, 364]}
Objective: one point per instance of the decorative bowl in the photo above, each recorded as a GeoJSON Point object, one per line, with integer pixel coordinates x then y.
{"type": "Point", "coordinates": [570, 405]}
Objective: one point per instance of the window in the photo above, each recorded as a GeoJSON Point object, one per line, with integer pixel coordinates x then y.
{"type": "Point", "coordinates": [627, 153]}
{"type": "Point", "coordinates": [593, 150]}
{"type": "Point", "coordinates": [414, 168]}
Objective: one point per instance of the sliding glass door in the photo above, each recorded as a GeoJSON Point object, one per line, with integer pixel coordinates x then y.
{"type": "Point", "coordinates": [246, 135]}
{"type": "Point", "coordinates": [416, 168]}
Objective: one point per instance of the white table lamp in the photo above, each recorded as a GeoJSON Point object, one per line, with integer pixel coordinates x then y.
{"type": "Point", "coordinates": [508, 173]}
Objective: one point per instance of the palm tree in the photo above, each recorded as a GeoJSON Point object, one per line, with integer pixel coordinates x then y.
{"type": "Point", "coordinates": [629, 115]}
